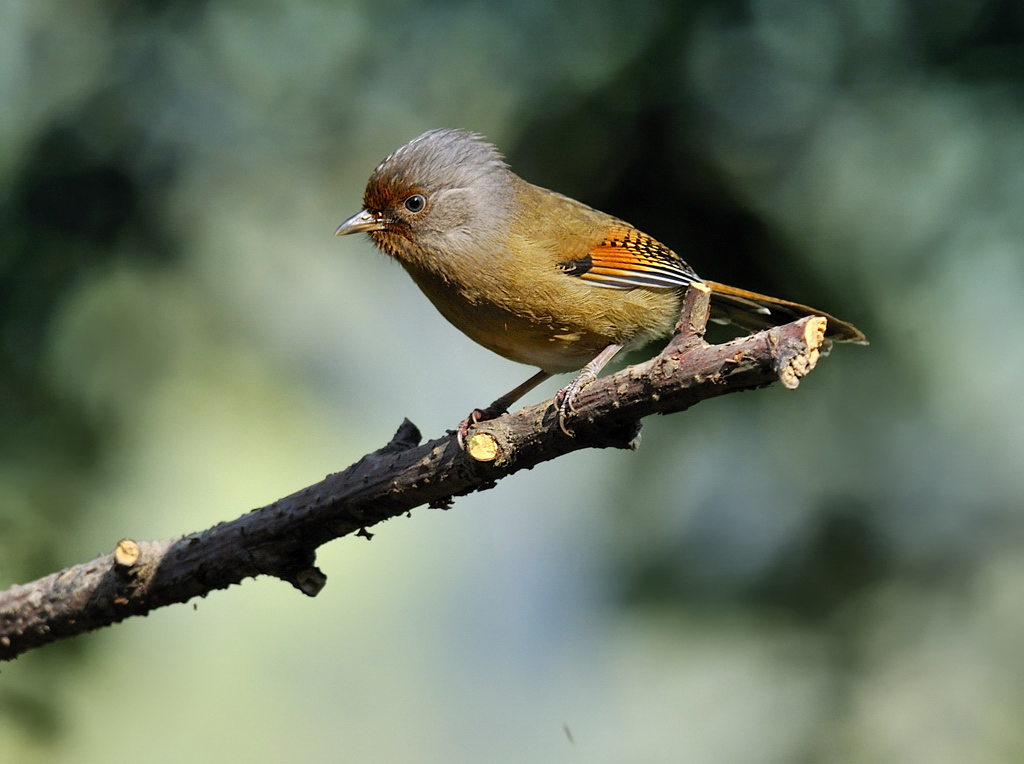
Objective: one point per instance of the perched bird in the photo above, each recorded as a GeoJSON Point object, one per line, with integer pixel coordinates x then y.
{"type": "Point", "coordinates": [533, 275]}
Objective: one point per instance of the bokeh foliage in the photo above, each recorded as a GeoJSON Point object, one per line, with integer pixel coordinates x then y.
{"type": "Point", "coordinates": [169, 176]}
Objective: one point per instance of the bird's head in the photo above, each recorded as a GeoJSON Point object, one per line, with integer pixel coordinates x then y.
{"type": "Point", "coordinates": [443, 195]}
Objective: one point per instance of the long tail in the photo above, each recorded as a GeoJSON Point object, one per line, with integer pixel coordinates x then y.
{"type": "Point", "coordinates": [753, 311]}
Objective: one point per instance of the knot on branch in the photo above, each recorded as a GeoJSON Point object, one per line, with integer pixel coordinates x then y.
{"type": "Point", "coordinates": [299, 571]}
{"type": "Point", "coordinates": [407, 436]}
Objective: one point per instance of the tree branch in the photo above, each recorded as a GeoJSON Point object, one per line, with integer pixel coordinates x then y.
{"type": "Point", "coordinates": [281, 539]}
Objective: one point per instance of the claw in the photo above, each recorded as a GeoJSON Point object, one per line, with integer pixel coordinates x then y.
{"type": "Point", "coordinates": [561, 423]}
{"type": "Point", "coordinates": [460, 433]}
{"type": "Point", "coordinates": [475, 417]}
{"type": "Point", "coordinates": [566, 399]}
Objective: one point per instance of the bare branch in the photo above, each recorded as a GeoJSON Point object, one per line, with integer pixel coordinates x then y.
{"type": "Point", "coordinates": [281, 539]}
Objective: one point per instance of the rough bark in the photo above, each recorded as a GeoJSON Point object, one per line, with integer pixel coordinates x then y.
{"type": "Point", "coordinates": [281, 539]}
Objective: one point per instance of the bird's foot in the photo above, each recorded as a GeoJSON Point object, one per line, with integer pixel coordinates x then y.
{"type": "Point", "coordinates": [478, 415]}
{"type": "Point", "coordinates": [565, 399]}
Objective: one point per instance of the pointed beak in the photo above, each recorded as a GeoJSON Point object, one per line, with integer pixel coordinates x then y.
{"type": "Point", "coordinates": [364, 220]}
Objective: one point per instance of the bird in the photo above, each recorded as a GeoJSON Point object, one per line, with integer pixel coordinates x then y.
{"type": "Point", "coordinates": [533, 275]}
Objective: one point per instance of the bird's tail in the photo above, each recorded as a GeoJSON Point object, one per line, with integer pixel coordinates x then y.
{"type": "Point", "coordinates": [753, 312]}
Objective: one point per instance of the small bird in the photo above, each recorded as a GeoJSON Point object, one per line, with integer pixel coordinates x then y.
{"type": "Point", "coordinates": [533, 275]}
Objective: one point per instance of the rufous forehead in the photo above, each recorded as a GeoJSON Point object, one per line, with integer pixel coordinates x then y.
{"type": "Point", "coordinates": [383, 192]}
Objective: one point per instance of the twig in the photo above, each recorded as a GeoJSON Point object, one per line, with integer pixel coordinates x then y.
{"type": "Point", "coordinates": [281, 539]}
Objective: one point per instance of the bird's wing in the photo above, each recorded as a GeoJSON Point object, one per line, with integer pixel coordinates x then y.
{"type": "Point", "coordinates": [628, 258]}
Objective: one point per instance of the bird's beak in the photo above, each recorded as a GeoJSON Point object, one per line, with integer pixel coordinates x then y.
{"type": "Point", "coordinates": [364, 220]}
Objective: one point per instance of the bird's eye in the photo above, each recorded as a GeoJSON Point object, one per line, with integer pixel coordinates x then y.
{"type": "Point", "coordinates": [415, 203]}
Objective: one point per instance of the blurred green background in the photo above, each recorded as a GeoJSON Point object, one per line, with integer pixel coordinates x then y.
{"type": "Point", "coordinates": [828, 575]}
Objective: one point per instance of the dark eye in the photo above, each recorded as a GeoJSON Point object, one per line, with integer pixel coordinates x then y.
{"type": "Point", "coordinates": [415, 203]}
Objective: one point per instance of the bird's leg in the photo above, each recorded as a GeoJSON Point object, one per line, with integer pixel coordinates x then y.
{"type": "Point", "coordinates": [499, 406]}
{"type": "Point", "coordinates": [566, 397]}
